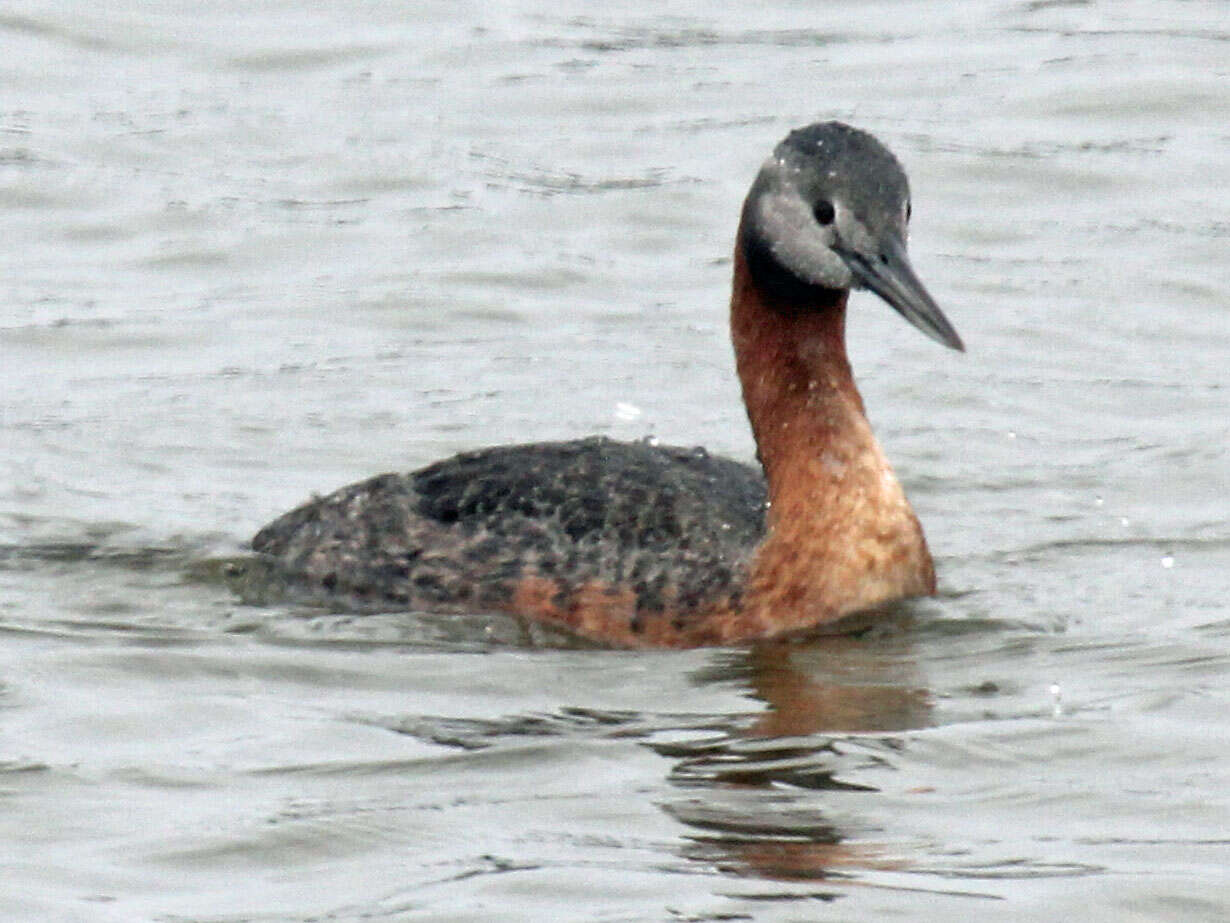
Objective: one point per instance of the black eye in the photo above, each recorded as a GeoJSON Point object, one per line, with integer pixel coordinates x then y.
{"type": "Point", "coordinates": [824, 212]}
{"type": "Point", "coordinates": [909, 210]}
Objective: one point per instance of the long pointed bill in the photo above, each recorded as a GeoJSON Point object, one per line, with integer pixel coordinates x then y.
{"type": "Point", "coordinates": [890, 276]}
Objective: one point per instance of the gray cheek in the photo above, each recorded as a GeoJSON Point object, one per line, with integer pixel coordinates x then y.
{"type": "Point", "coordinates": [830, 270]}
{"type": "Point", "coordinates": [798, 243]}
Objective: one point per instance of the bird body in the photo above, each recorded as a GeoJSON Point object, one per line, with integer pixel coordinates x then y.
{"type": "Point", "coordinates": [640, 545]}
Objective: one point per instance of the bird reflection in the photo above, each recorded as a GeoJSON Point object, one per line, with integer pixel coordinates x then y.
{"type": "Point", "coordinates": [779, 797]}
{"type": "Point", "coordinates": [834, 685]}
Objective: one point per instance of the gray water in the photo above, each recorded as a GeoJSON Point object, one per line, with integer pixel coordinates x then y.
{"type": "Point", "coordinates": [255, 250]}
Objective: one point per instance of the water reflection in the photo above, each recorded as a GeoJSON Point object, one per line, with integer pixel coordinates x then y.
{"type": "Point", "coordinates": [776, 791]}
{"type": "Point", "coordinates": [840, 683]}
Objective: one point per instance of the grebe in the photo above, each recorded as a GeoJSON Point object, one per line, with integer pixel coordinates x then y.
{"type": "Point", "coordinates": [640, 545]}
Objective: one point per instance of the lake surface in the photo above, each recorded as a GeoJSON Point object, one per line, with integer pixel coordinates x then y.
{"type": "Point", "coordinates": [257, 250]}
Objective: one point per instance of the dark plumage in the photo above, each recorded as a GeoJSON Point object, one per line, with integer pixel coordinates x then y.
{"type": "Point", "coordinates": [641, 545]}
{"type": "Point", "coordinates": [674, 524]}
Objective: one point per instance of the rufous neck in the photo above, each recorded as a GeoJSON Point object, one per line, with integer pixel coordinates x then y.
{"type": "Point", "coordinates": [800, 394]}
{"type": "Point", "coordinates": [841, 535]}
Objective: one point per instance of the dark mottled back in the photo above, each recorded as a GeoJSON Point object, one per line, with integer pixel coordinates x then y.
{"type": "Point", "coordinates": [674, 525]}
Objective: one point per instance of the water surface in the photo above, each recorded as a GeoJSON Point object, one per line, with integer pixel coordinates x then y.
{"type": "Point", "coordinates": [259, 250]}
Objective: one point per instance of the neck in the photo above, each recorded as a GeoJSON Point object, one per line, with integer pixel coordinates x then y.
{"type": "Point", "coordinates": [841, 535]}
